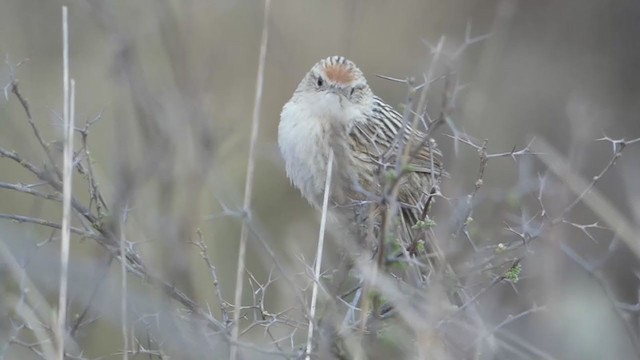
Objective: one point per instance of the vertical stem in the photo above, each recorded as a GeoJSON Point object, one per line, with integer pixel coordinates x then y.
{"type": "Point", "coordinates": [123, 293]}
{"type": "Point", "coordinates": [244, 232]}
{"type": "Point", "coordinates": [66, 187]}
{"type": "Point", "coordinates": [318, 265]}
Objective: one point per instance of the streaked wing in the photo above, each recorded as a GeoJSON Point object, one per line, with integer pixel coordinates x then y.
{"type": "Point", "coordinates": [374, 145]}
{"type": "Point", "coordinates": [377, 140]}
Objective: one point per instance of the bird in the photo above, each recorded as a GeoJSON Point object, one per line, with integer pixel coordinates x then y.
{"type": "Point", "coordinates": [333, 109]}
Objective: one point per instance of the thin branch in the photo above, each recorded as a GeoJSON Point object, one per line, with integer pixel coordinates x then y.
{"type": "Point", "coordinates": [498, 279]}
{"type": "Point", "coordinates": [94, 192]}
{"type": "Point", "coordinates": [596, 273]}
{"type": "Point", "coordinates": [32, 220]}
{"type": "Point", "coordinates": [13, 85]}
{"type": "Point", "coordinates": [509, 319]}
{"type": "Point", "coordinates": [28, 189]}
{"type": "Point", "coordinates": [593, 199]}
{"type": "Point", "coordinates": [212, 270]}
{"type": "Point", "coordinates": [79, 321]}
{"type": "Point", "coordinates": [618, 152]}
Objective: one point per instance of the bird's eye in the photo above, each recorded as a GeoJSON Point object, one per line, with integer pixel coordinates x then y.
{"type": "Point", "coordinates": [320, 81]}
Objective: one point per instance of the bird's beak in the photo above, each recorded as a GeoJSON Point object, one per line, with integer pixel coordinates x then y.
{"type": "Point", "coordinates": [336, 90]}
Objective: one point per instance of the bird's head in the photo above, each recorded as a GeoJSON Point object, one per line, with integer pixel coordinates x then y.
{"type": "Point", "coordinates": [335, 87]}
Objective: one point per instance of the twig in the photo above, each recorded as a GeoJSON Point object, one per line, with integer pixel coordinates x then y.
{"type": "Point", "coordinates": [506, 321]}
{"type": "Point", "coordinates": [596, 273]}
{"type": "Point", "coordinates": [27, 189]}
{"type": "Point", "coordinates": [94, 192]}
{"type": "Point", "coordinates": [32, 220]}
{"type": "Point", "coordinates": [484, 158]}
{"type": "Point", "coordinates": [471, 301]}
{"type": "Point", "coordinates": [600, 205]}
{"type": "Point", "coordinates": [616, 155]}
{"type": "Point", "coordinates": [212, 270]}
{"type": "Point", "coordinates": [244, 232]}
{"type": "Point", "coordinates": [80, 318]}
{"type": "Point", "coordinates": [25, 105]}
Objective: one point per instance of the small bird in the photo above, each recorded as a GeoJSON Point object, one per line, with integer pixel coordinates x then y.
{"type": "Point", "coordinates": [333, 109]}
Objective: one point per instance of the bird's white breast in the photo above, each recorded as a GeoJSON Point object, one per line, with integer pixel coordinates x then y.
{"type": "Point", "coordinates": [303, 138]}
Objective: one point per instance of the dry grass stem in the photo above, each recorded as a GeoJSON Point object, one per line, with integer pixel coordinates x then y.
{"type": "Point", "coordinates": [319, 251]}
{"type": "Point", "coordinates": [67, 177]}
{"type": "Point", "coordinates": [244, 232]}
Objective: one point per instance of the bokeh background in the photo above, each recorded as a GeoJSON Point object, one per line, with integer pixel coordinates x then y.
{"type": "Point", "coordinates": [174, 84]}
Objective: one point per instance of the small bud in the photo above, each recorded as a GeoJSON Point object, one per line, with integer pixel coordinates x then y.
{"type": "Point", "coordinates": [513, 274]}
{"type": "Point", "coordinates": [423, 224]}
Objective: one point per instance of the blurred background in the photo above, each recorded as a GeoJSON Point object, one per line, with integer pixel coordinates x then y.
{"type": "Point", "coordinates": [173, 85]}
